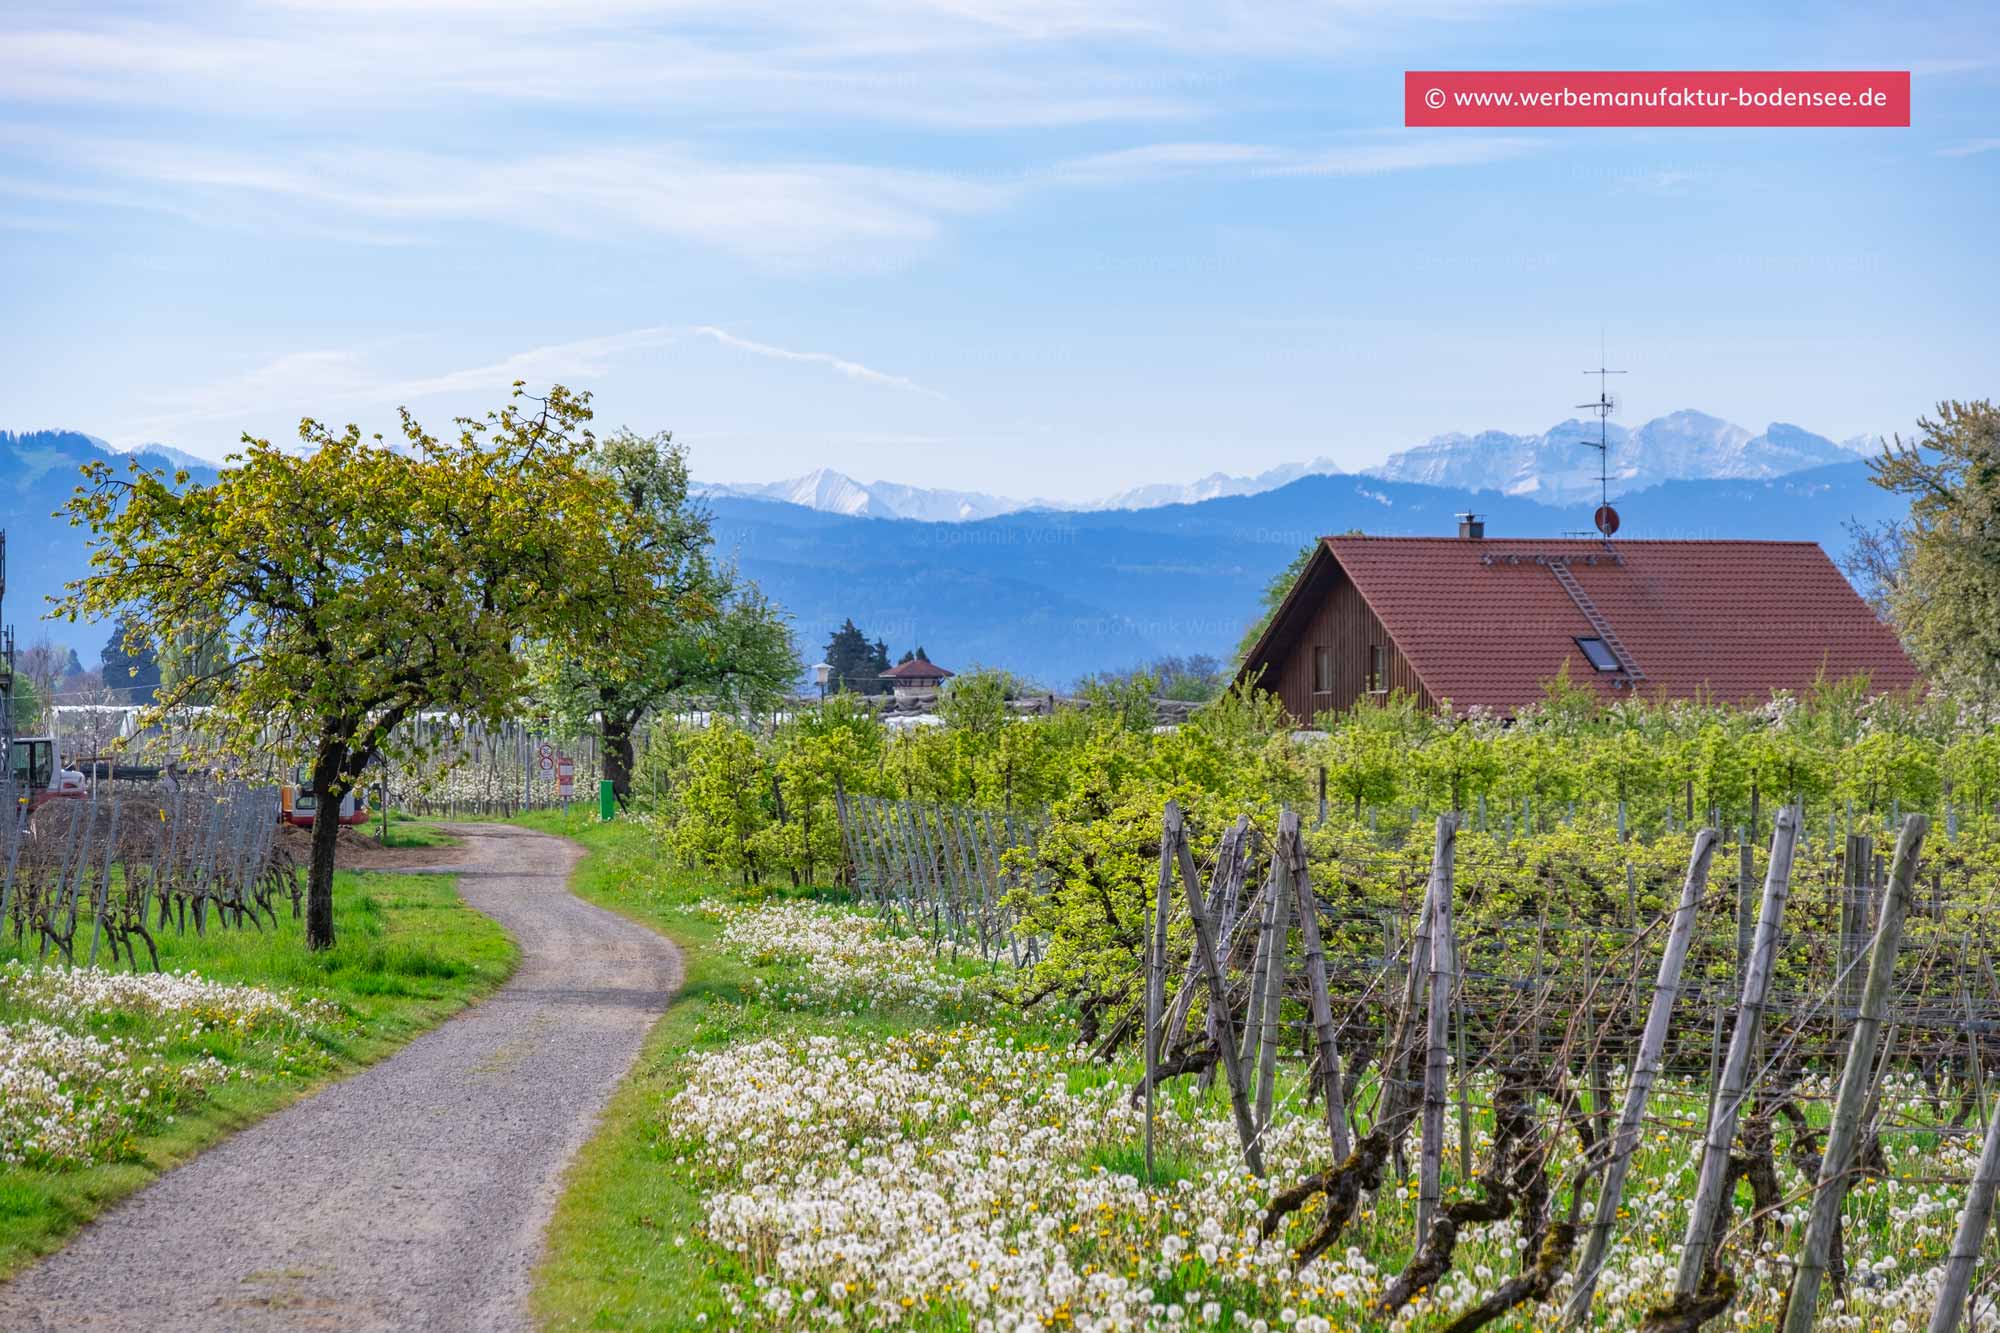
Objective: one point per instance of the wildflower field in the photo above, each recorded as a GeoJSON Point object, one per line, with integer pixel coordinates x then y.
{"type": "Point", "coordinates": [108, 1078]}
{"type": "Point", "coordinates": [836, 1129]}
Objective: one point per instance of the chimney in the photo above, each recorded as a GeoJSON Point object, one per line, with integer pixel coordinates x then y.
{"type": "Point", "coordinates": [1471, 527]}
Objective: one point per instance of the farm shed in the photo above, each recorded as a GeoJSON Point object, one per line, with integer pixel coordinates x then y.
{"type": "Point", "coordinates": [1484, 622]}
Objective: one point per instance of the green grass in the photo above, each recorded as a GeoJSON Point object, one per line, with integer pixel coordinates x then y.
{"type": "Point", "coordinates": [408, 954]}
{"type": "Point", "coordinates": [612, 1262]}
{"type": "Point", "coordinates": [406, 831]}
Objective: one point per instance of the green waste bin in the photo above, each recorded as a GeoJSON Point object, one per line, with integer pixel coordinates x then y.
{"type": "Point", "coordinates": [607, 800]}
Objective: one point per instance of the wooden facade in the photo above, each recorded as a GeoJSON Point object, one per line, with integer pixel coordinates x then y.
{"type": "Point", "coordinates": [1324, 645]}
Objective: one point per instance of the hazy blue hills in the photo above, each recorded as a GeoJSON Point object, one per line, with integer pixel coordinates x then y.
{"type": "Point", "coordinates": [1052, 595]}
{"type": "Point", "coordinates": [1058, 595]}
{"type": "Point", "coordinates": [38, 472]}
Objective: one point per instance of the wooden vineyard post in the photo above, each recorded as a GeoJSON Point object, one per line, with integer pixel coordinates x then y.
{"type": "Point", "coordinates": [1278, 926]}
{"type": "Point", "coordinates": [1322, 1003]}
{"type": "Point", "coordinates": [848, 842]}
{"type": "Point", "coordinates": [1218, 993]}
{"type": "Point", "coordinates": [1734, 1087]}
{"type": "Point", "coordinates": [1746, 871]}
{"type": "Point", "coordinates": [1652, 1043]}
{"type": "Point", "coordinates": [1430, 1169]}
{"type": "Point", "coordinates": [1253, 1018]}
{"type": "Point", "coordinates": [1844, 1135]}
{"type": "Point", "coordinates": [1228, 873]}
{"type": "Point", "coordinates": [1395, 1102]}
{"type": "Point", "coordinates": [881, 861]}
{"type": "Point", "coordinates": [1632, 920]}
{"type": "Point", "coordinates": [101, 900]}
{"type": "Point", "coordinates": [1156, 971]}
{"type": "Point", "coordinates": [996, 855]}
{"type": "Point", "coordinates": [1970, 1237]}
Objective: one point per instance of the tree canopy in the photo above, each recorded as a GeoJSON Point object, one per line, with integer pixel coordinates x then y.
{"type": "Point", "coordinates": [1938, 573]}
{"type": "Point", "coordinates": [1274, 595]}
{"type": "Point", "coordinates": [348, 586]}
{"type": "Point", "coordinates": [715, 640]}
{"type": "Point", "coordinates": [857, 664]}
{"type": "Point", "coordinates": [131, 667]}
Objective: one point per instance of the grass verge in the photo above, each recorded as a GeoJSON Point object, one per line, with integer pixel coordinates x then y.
{"type": "Point", "coordinates": [613, 1259]}
{"type": "Point", "coordinates": [409, 954]}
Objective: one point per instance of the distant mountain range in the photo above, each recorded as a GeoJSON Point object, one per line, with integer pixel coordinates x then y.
{"type": "Point", "coordinates": [1556, 467]}
{"type": "Point", "coordinates": [1056, 594]}
{"type": "Point", "coordinates": [831, 492]}
{"type": "Point", "coordinates": [1559, 465]}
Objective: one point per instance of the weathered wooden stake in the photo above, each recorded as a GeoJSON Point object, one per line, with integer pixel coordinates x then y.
{"type": "Point", "coordinates": [1734, 1089]}
{"type": "Point", "coordinates": [1843, 1137]}
{"type": "Point", "coordinates": [1156, 976]}
{"type": "Point", "coordinates": [1746, 873]}
{"type": "Point", "coordinates": [1652, 1044]}
{"type": "Point", "coordinates": [1278, 921]}
{"type": "Point", "coordinates": [1442, 964]}
{"type": "Point", "coordinates": [1221, 891]}
{"type": "Point", "coordinates": [1253, 1014]}
{"type": "Point", "coordinates": [1322, 1004]}
{"type": "Point", "coordinates": [1970, 1237]}
{"type": "Point", "coordinates": [1218, 992]}
{"type": "Point", "coordinates": [1395, 1101]}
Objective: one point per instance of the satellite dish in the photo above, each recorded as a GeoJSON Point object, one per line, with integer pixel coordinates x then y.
{"type": "Point", "coordinates": [1606, 519]}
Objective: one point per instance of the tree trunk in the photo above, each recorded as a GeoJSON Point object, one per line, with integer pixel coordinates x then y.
{"type": "Point", "coordinates": [328, 789]}
{"type": "Point", "coordinates": [616, 730]}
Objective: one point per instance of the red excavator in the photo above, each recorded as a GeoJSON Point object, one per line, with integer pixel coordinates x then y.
{"type": "Point", "coordinates": [34, 763]}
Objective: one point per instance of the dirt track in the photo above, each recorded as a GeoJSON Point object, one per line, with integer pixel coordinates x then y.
{"type": "Point", "coordinates": [415, 1194]}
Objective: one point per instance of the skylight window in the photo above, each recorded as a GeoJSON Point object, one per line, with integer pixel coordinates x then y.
{"type": "Point", "coordinates": [1599, 653]}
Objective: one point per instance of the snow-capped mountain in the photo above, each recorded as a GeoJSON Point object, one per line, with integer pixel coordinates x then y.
{"type": "Point", "coordinates": [836, 493]}
{"type": "Point", "coordinates": [178, 457]}
{"type": "Point", "coordinates": [1558, 466]}
{"type": "Point", "coordinates": [1214, 486]}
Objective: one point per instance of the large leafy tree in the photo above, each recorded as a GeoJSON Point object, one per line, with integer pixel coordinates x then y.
{"type": "Point", "coordinates": [857, 664]}
{"type": "Point", "coordinates": [344, 588]}
{"type": "Point", "coordinates": [1937, 574]}
{"type": "Point", "coordinates": [131, 667]}
{"type": "Point", "coordinates": [717, 641]}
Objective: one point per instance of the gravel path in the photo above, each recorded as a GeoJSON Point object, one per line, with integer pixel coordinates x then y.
{"type": "Point", "coordinates": [415, 1194]}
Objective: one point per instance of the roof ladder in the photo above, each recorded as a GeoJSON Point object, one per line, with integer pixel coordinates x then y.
{"type": "Point", "coordinates": [1609, 636]}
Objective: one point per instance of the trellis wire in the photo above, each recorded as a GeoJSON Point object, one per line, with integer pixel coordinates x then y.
{"type": "Point", "coordinates": [130, 865]}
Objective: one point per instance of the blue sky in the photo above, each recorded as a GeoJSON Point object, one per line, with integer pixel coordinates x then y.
{"type": "Point", "coordinates": [1031, 247]}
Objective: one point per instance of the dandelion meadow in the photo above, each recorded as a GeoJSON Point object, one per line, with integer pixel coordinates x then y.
{"type": "Point", "coordinates": [108, 1078]}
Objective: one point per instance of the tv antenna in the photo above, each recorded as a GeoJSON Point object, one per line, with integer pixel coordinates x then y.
{"type": "Point", "coordinates": [1606, 517]}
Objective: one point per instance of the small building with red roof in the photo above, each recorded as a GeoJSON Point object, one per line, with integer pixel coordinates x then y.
{"type": "Point", "coordinates": [1484, 622]}
{"type": "Point", "coordinates": [916, 680]}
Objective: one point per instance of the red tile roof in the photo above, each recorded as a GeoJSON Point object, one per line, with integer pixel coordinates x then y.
{"type": "Point", "coordinates": [1485, 622]}
{"type": "Point", "coordinates": [916, 669]}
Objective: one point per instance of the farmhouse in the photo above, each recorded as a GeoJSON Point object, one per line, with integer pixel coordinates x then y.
{"type": "Point", "coordinates": [1484, 622]}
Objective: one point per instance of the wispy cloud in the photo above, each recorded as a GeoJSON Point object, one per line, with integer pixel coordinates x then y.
{"type": "Point", "coordinates": [329, 381]}
{"type": "Point", "coordinates": [840, 365]}
{"type": "Point", "coordinates": [780, 213]}
{"type": "Point", "coordinates": [932, 62]}
{"type": "Point", "coordinates": [1970, 148]}
{"type": "Point", "coordinates": [1362, 157]}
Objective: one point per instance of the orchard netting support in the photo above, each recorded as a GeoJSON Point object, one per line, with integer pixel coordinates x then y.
{"type": "Point", "coordinates": [84, 877]}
